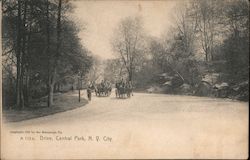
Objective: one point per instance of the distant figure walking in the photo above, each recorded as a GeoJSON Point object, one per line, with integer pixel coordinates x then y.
{"type": "Point", "coordinates": [89, 92]}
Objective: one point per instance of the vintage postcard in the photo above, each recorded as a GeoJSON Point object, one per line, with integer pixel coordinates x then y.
{"type": "Point", "coordinates": [124, 79]}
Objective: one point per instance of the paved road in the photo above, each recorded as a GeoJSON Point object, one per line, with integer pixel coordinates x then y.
{"type": "Point", "coordinates": [144, 126]}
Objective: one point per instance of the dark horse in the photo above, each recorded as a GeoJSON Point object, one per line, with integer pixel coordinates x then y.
{"type": "Point", "coordinates": [123, 90]}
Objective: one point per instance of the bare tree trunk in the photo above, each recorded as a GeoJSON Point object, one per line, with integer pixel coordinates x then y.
{"type": "Point", "coordinates": [21, 91]}
{"type": "Point", "coordinates": [50, 87]}
{"type": "Point", "coordinates": [58, 30]}
{"type": "Point", "coordinates": [18, 55]}
{"type": "Point", "coordinates": [130, 75]}
{"type": "Point", "coordinates": [50, 98]}
{"type": "Point", "coordinates": [22, 98]}
{"type": "Point", "coordinates": [51, 92]}
{"type": "Point", "coordinates": [54, 69]}
{"type": "Point", "coordinates": [27, 89]}
{"type": "Point", "coordinates": [206, 56]}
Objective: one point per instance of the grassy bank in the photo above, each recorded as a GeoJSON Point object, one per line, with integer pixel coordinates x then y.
{"type": "Point", "coordinates": [38, 108]}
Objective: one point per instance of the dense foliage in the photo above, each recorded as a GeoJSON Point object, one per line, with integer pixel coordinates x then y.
{"type": "Point", "coordinates": [208, 40]}
{"type": "Point", "coordinates": [41, 50]}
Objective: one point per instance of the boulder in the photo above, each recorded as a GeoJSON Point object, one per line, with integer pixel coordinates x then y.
{"type": "Point", "coordinates": [241, 91]}
{"type": "Point", "coordinates": [185, 89]}
{"type": "Point", "coordinates": [204, 89]}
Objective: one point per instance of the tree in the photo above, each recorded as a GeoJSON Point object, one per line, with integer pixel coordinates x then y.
{"type": "Point", "coordinates": [53, 67]}
{"type": "Point", "coordinates": [95, 71]}
{"type": "Point", "coordinates": [235, 47]}
{"type": "Point", "coordinates": [129, 43]}
{"type": "Point", "coordinates": [36, 57]}
{"type": "Point", "coordinates": [184, 32]}
{"type": "Point", "coordinates": [208, 15]}
{"type": "Point", "coordinates": [114, 70]}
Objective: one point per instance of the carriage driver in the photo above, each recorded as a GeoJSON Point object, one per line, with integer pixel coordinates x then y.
{"type": "Point", "coordinates": [122, 83]}
{"type": "Point", "coordinates": [102, 84]}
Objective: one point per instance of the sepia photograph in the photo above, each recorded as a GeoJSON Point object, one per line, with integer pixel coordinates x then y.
{"type": "Point", "coordinates": [124, 79]}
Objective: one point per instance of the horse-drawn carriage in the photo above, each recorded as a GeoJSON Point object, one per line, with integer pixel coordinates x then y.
{"type": "Point", "coordinates": [123, 90]}
{"type": "Point", "coordinates": [103, 90]}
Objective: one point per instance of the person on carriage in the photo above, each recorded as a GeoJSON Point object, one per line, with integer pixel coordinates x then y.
{"type": "Point", "coordinates": [102, 84]}
{"type": "Point", "coordinates": [117, 84]}
{"type": "Point", "coordinates": [109, 87]}
{"type": "Point", "coordinates": [105, 84]}
{"type": "Point", "coordinates": [123, 83]}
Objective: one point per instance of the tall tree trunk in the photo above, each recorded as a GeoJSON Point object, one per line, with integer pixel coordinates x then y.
{"type": "Point", "coordinates": [212, 55]}
{"type": "Point", "coordinates": [21, 90]}
{"type": "Point", "coordinates": [18, 55]}
{"type": "Point", "coordinates": [23, 61]}
{"type": "Point", "coordinates": [27, 88]}
{"type": "Point", "coordinates": [131, 69]}
{"type": "Point", "coordinates": [27, 59]}
{"type": "Point", "coordinates": [50, 91]}
{"type": "Point", "coordinates": [206, 53]}
{"type": "Point", "coordinates": [130, 74]}
{"type": "Point", "coordinates": [58, 31]}
{"type": "Point", "coordinates": [54, 69]}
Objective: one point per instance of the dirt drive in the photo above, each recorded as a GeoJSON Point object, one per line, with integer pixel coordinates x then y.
{"type": "Point", "coordinates": [144, 126]}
